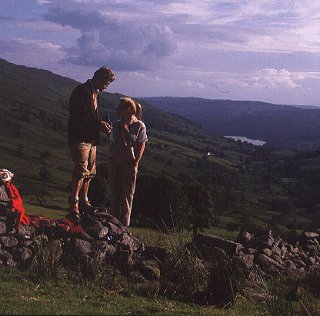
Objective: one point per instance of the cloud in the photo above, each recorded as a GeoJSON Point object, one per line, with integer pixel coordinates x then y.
{"type": "Point", "coordinates": [275, 78]}
{"type": "Point", "coordinates": [121, 44]}
{"type": "Point", "coordinates": [35, 52]}
{"type": "Point", "coordinates": [191, 84]}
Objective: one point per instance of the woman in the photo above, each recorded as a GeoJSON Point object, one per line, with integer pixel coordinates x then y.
{"type": "Point", "coordinates": [128, 138]}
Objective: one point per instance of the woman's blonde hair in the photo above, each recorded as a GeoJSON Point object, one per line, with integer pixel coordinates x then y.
{"type": "Point", "coordinates": [135, 106]}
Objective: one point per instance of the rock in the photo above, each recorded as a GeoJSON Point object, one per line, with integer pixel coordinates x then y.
{"type": "Point", "coordinates": [267, 262]}
{"type": "Point", "coordinates": [266, 242]}
{"type": "Point", "coordinates": [158, 253]}
{"type": "Point", "coordinates": [137, 277]}
{"type": "Point", "coordinates": [244, 238]}
{"type": "Point", "coordinates": [266, 251]}
{"type": "Point", "coordinates": [212, 253]}
{"type": "Point", "coordinates": [100, 248]}
{"type": "Point", "coordinates": [309, 235]}
{"type": "Point", "coordinates": [290, 265]}
{"type": "Point", "coordinates": [245, 261]}
{"type": "Point", "coordinates": [97, 232]}
{"type": "Point", "coordinates": [111, 250]}
{"type": "Point", "coordinates": [27, 230]}
{"type": "Point", "coordinates": [82, 246]}
{"type": "Point", "coordinates": [314, 249]}
{"type": "Point", "coordinates": [40, 241]}
{"type": "Point", "coordinates": [299, 263]}
{"type": "Point", "coordinates": [8, 241]}
{"type": "Point", "coordinates": [5, 256]}
{"type": "Point", "coordinates": [276, 250]}
{"type": "Point", "coordinates": [149, 269]}
{"type": "Point", "coordinates": [25, 243]}
{"type": "Point", "coordinates": [115, 229]}
{"type": "Point", "coordinates": [3, 228]}
{"type": "Point", "coordinates": [122, 260]}
{"type": "Point", "coordinates": [11, 263]}
{"type": "Point", "coordinates": [230, 247]}
{"type": "Point", "coordinates": [249, 251]}
{"type": "Point", "coordinates": [311, 261]}
{"type": "Point", "coordinates": [22, 254]}
{"type": "Point", "coordinates": [283, 252]}
{"type": "Point", "coordinates": [277, 258]}
{"type": "Point", "coordinates": [130, 243]}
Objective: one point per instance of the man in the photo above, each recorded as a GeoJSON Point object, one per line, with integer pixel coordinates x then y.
{"type": "Point", "coordinates": [84, 128]}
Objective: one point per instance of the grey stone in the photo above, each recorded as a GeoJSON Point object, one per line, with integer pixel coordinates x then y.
{"type": "Point", "coordinates": [157, 253]}
{"type": "Point", "coordinates": [246, 261]}
{"type": "Point", "coordinates": [98, 231]}
{"type": "Point", "coordinates": [83, 246]}
{"type": "Point", "coordinates": [8, 241]}
{"type": "Point", "coordinates": [137, 277]}
{"type": "Point", "coordinates": [212, 253]}
{"type": "Point", "coordinates": [310, 235]}
{"type": "Point", "coordinates": [149, 269]}
{"type": "Point", "coordinates": [277, 258]}
{"type": "Point", "coordinates": [5, 255]}
{"type": "Point", "coordinates": [111, 250]}
{"type": "Point", "coordinates": [40, 241]}
{"type": "Point", "coordinates": [249, 251]}
{"type": "Point", "coordinates": [314, 249]}
{"type": "Point", "coordinates": [266, 261]}
{"type": "Point", "coordinates": [299, 263]}
{"type": "Point", "coordinates": [244, 238]}
{"type": "Point", "coordinates": [11, 263]}
{"type": "Point", "coordinates": [25, 243]}
{"type": "Point", "coordinates": [230, 247]}
{"type": "Point", "coordinates": [290, 265]}
{"type": "Point", "coordinates": [3, 228]}
{"type": "Point", "coordinates": [27, 230]}
{"type": "Point", "coordinates": [22, 254]}
{"type": "Point", "coordinates": [130, 243]}
{"type": "Point", "coordinates": [266, 251]}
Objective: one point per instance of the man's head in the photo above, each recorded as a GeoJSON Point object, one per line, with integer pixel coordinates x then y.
{"type": "Point", "coordinates": [102, 78]}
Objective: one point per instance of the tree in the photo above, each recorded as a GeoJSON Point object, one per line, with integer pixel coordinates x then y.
{"type": "Point", "coordinates": [199, 206]}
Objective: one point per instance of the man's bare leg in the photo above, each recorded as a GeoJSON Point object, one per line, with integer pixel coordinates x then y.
{"type": "Point", "coordinates": [74, 199]}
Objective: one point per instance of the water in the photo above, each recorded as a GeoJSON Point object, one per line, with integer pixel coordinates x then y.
{"type": "Point", "coordinates": [243, 139]}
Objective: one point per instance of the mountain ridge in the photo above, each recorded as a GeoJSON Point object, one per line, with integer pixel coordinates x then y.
{"type": "Point", "coordinates": [283, 126]}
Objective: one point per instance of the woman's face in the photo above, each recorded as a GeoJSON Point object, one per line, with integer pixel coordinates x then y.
{"type": "Point", "coordinates": [124, 111]}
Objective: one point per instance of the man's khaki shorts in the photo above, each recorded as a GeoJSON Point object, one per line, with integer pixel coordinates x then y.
{"type": "Point", "coordinates": [84, 157]}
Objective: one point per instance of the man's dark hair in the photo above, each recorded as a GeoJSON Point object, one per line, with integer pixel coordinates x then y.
{"type": "Point", "coordinates": [104, 72]}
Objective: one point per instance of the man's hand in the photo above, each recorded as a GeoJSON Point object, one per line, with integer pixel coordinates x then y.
{"type": "Point", "coordinates": [106, 127]}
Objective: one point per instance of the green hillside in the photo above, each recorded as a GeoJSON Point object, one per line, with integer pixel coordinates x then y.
{"type": "Point", "coordinates": [237, 186]}
{"type": "Point", "coordinates": [34, 106]}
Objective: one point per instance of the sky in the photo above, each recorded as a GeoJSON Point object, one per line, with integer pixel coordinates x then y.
{"type": "Point", "coordinates": [261, 50]}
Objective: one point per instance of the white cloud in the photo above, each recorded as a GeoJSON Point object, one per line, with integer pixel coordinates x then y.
{"type": "Point", "coordinates": [35, 53]}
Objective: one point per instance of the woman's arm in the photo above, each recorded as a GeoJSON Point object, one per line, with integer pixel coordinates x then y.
{"type": "Point", "coordinates": [139, 152]}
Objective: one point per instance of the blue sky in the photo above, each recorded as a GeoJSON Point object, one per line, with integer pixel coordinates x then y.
{"type": "Point", "coordinates": [241, 50]}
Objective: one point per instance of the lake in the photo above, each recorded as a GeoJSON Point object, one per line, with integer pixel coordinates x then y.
{"type": "Point", "coordinates": [243, 139]}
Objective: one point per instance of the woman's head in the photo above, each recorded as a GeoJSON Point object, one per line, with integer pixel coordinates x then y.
{"type": "Point", "coordinates": [128, 107]}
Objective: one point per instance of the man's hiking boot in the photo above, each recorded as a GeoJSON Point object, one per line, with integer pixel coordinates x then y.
{"type": "Point", "coordinates": [74, 207]}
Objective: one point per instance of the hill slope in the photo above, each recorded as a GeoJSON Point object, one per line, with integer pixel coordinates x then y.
{"type": "Point", "coordinates": [250, 186]}
{"type": "Point", "coordinates": [279, 125]}
{"type": "Point", "coordinates": [34, 107]}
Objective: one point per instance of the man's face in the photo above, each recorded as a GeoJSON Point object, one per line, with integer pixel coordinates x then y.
{"type": "Point", "coordinates": [103, 83]}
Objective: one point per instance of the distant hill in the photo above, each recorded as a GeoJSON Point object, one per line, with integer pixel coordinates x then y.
{"type": "Point", "coordinates": [280, 126]}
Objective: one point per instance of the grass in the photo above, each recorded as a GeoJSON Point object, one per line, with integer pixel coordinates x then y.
{"type": "Point", "coordinates": [19, 295]}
